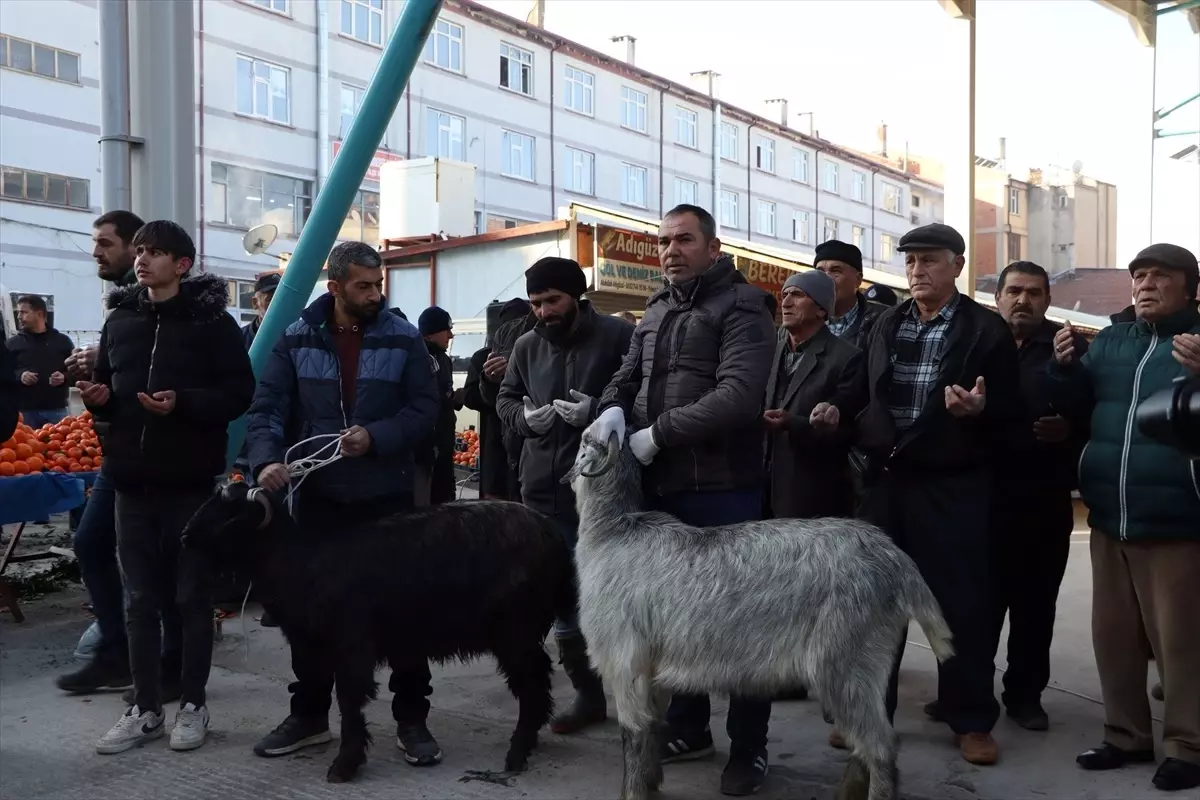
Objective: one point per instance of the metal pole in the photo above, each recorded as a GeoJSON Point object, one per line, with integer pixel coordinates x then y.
{"type": "Point", "coordinates": [323, 143]}
{"type": "Point", "coordinates": [1153, 130]}
{"type": "Point", "coordinates": [115, 141]}
{"type": "Point", "coordinates": [345, 177]}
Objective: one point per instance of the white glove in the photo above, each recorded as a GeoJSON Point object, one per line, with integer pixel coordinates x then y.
{"type": "Point", "coordinates": [643, 446]}
{"type": "Point", "coordinates": [539, 420]}
{"type": "Point", "coordinates": [610, 422]}
{"type": "Point", "coordinates": [576, 414]}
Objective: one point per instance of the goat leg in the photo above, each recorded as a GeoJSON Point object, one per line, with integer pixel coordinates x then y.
{"type": "Point", "coordinates": [633, 778]}
{"type": "Point", "coordinates": [652, 771]}
{"type": "Point", "coordinates": [529, 675]}
{"type": "Point", "coordinates": [856, 782]}
{"type": "Point", "coordinates": [353, 692]}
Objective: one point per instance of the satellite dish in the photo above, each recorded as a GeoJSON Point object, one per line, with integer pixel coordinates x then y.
{"type": "Point", "coordinates": [1077, 167]}
{"type": "Point", "coordinates": [259, 238]}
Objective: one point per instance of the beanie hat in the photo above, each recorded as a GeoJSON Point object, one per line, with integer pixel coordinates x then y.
{"type": "Point", "coordinates": [817, 285]}
{"type": "Point", "coordinates": [553, 272]}
{"type": "Point", "coordinates": [514, 309]}
{"type": "Point", "coordinates": [833, 250]}
{"type": "Point", "coordinates": [434, 320]}
{"type": "Point", "coordinates": [1173, 257]}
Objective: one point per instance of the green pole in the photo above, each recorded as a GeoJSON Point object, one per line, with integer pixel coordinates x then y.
{"type": "Point", "coordinates": [345, 177]}
{"type": "Point", "coordinates": [1161, 115]}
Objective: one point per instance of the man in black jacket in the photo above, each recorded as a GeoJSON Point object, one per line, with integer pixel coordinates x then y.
{"type": "Point", "coordinates": [493, 371]}
{"type": "Point", "coordinates": [852, 315]}
{"type": "Point", "coordinates": [435, 459]}
{"type": "Point", "coordinates": [554, 377]}
{"type": "Point", "coordinates": [41, 354]}
{"type": "Point", "coordinates": [8, 393]}
{"type": "Point", "coordinates": [944, 402]}
{"type": "Point", "coordinates": [171, 374]}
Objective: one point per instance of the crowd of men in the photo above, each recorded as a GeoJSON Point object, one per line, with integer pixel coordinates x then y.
{"type": "Point", "coordinates": [956, 429]}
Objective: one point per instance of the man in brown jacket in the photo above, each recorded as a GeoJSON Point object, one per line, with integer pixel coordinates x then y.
{"type": "Point", "coordinates": [692, 384]}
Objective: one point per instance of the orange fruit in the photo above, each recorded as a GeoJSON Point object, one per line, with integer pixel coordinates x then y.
{"type": "Point", "coordinates": [74, 453]}
{"type": "Point", "coordinates": [23, 451]}
{"type": "Point", "coordinates": [20, 468]}
{"type": "Point", "coordinates": [6, 469]}
{"type": "Point", "coordinates": [35, 463]}
{"type": "Point", "coordinates": [7, 455]}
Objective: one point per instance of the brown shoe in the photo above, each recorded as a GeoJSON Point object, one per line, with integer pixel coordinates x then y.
{"type": "Point", "coordinates": [836, 740]}
{"type": "Point", "coordinates": [978, 748]}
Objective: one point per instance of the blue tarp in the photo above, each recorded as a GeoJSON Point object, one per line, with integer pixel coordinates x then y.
{"type": "Point", "coordinates": [25, 498]}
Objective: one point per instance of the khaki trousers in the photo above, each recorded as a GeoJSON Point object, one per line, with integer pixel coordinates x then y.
{"type": "Point", "coordinates": [1148, 591]}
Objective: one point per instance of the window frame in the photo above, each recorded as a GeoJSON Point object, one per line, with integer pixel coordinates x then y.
{"type": "Point", "coordinates": [729, 201]}
{"type": "Point", "coordinates": [887, 247]}
{"type": "Point", "coordinates": [639, 102]}
{"type": "Point", "coordinates": [576, 80]}
{"type": "Point", "coordinates": [772, 209]}
{"type": "Point", "coordinates": [628, 171]}
{"type": "Point", "coordinates": [687, 120]}
{"type": "Point", "coordinates": [1014, 201]}
{"type": "Point", "coordinates": [269, 6]}
{"type": "Point", "coordinates": [570, 163]}
{"type": "Point", "coordinates": [254, 81]}
{"type": "Point", "coordinates": [695, 191]}
{"type": "Point", "coordinates": [359, 94]}
{"type": "Point", "coordinates": [6, 60]}
{"type": "Point", "coordinates": [44, 199]}
{"type": "Point", "coordinates": [858, 237]}
{"type": "Point", "coordinates": [826, 229]}
{"type": "Point", "coordinates": [372, 11]}
{"type": "Point", "coordinates": [800, 156]}
{"type": "Point", "coordinates": [858, 186]}
{"type": "Point", "coordinates": [516, 56]}
{"type": "Point", "coordinates": [831, 169]}
{"type": "Point", "coordinates": [892, 198]}
{"type": "Point", "coordinates": [430, 112]}
{"type": "Point", "coordinates": [508, 138]}
{"type": "Point", "coordinates": [301, 205]}
{"type": "Point", "coordinates": [802, 222]}
{"type": "Point", "coordinates": [729, 135]}
{"type": "Point", "coordinates": [430, 51]}
{"type": "Point", "coordinates": [761, 162]}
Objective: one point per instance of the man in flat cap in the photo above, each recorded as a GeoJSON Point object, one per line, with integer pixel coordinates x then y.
{"type": "Point", "coordinates": [264, 289]}
{"type": "Point", "coordinates": [852, 315]}
{"type": "Point", "coordinates": [1143, 502]}
{"type": "Point", "coordinates": [944, 398]}
{"type": "Point", "coordinates": [549, 395]}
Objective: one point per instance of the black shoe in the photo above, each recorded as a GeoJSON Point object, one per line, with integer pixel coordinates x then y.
{"type": "Point", "coordinates": [678, 746]}
{"type": "Point", "coordinates": [1175, 775]}
{"type": "Point", "coordinates": [744, 774]}
{"type": "Point", "coordinates": [170, 691]}
{"type": "Point", "coordinates": [267, 621]}
{"type": "Point", "coordinates": [417, 743]}
{"type": "Point", "coordinates": [589, 706]}
{"type": "Point", "coordinates": [108, 669]}
{"type": "Point", "coordinates": [294, 733]}
{"type": "Point", "coordinates": [933, 711]}
{"type": "Point", "coordinates": [1030, 716]}
{"type": "Point", "coordinates": [1108, 756]}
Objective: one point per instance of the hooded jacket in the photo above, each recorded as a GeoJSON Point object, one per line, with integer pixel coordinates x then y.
{"type": "Point", "coordinates": [189, 345]}
{"type": "Point", "coordinates": [44, 354]}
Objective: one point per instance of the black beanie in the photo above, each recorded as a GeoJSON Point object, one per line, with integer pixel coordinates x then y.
{"type": "Point", "coordinates": [553, 272]}
{"type": "Point", "coordinates": [833, 250]}
{"type": "Point", "coordinates": [514, 309]}
{"type": "Point", "coordinates": [433, 320]}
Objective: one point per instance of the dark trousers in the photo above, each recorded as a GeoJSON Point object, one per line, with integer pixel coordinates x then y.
{"type": "Point", "coordinates": [942, 521]}
{"type": "Point", "coordinates": [748, 717]}
{"type": "Point", "coordinates": [96, 548]}
{"type": "Point", "coordinates": [567, 525]}
{"type": "Point", "coordinates": [157, 570]}
{"type": "Point", "coordinates": [312, 691]}
{"type": "Point", "coordinates": [1032, 549]}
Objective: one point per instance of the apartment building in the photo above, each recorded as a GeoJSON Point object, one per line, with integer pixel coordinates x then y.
{"type": "Point", "coordinates": [543, 119]}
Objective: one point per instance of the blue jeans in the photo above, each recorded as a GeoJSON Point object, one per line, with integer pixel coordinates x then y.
{"type": "Point", "coordinates": [567, 524]}
{"type": "Point", "coordinates": [96, 548]}
{"type": "Point", "coordinates": [36, 419]}
{"type": "Point", "coordinates": [688, 714]}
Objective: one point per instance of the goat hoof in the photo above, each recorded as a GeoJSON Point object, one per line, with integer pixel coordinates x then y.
{"type": "Point", "coordinates": [343, 769]}
{"type": "Point", "coordinates": [516, 762]}
{"type": "Point", "coordinates": [856, 783]}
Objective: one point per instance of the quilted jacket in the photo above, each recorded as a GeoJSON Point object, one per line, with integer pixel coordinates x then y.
{"type": "Point", "coordinates": [299, 396]}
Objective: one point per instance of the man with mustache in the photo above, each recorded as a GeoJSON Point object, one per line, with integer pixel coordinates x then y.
{"type": "Point", "coordinates": [345, 368]}
{"type": "Point", "coordinates": [1035, 516]}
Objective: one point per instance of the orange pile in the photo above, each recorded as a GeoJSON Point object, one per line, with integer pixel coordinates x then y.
{"type": "Point", "coordinates": [468, 457]}
{"type": "Point", "coordinates": [69, 446]}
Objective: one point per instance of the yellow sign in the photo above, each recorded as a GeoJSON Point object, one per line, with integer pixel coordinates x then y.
{"type": "Point", "coordinates": [626, 262]}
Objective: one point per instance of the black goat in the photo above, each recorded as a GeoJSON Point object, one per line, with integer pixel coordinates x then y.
{"type": "Point", "coordinates": [450, 582]}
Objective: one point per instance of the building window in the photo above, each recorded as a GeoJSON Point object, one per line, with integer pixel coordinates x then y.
{"type": "Point", "coordinates": [39, 59]}
{"type": "Point", "coordinates": [363, 20]}
{"type": "Point", "coordinates": [633, 109]}
{"type": "Point", "coordinates": [1014, 201]}
{"type": "Point", "coordinates": [444, 47]}
{"type": "Point", "coordinates": [244, 198]}
{"type": "Point", "coordinates": [1014, 247]}
{"type": "Point", "coordinates": [686, 192]}
{"type": "Point", "coordinates": [764, 154]}
{"type": "Point", "coordinates": [1061, 200]}
{"type": "Point", "coordinates": [516, 155]}
{"type": "Point", "coordinates": [362, 219]}
{"type": "Point", "coordinates": [831, 229]}
{"type": "Point", "coordinates": [685, 128]}
{"type": "Point", "coordinates": [916, 201]}
{"type": "Point", "coordinates": [858, 237]}
{"type": "Point", "coordinates": [262, 90]}
{"type": "Point", "coordinates": [633, 185]}
{"type": "Point", "coordinates": [891, 199]}
{"type": "Point", "coordinates": [580, 169]}
{"type": "Point", "coordinates": [581, 90]}
{"type": "Point", "coordinates": [42, 187]}
{"type": "Point", "coordinates": [352, 98]}
{"type": "Point", "coordinates": [280, 6]}
{"type": "Point", "coordinates": [800, 227]}
{"type": "Point", "coordinates": [800, 165]}
{"type": "Point", "coordinates": [729, 209]}
{"type": "Point", "coordinates": [858, 186]}
{"type": "Point", "coordinates": [887, 247]}
{"type": "Point", "coordinates": [445, 135]}
{"type": "Point", "coordinates": [830, 181]}
{"type": "Point", "coordinates": [241, 297]}
{"type": "Point", "coordinates": [766, 218]}
{"type": "Point", "coordinates": [729, 142]}
{"type": "Point", "coordinates": [516, 69]}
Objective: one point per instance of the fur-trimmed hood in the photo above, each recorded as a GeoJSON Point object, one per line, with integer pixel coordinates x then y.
{"type": "Point", "coordinates": [202, 297]}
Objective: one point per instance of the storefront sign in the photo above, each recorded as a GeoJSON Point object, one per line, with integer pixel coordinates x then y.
{"type": "Point", "coordinates": [626, 262]}
{"type": "Point", "coordinates": [380, 158]}
{"type": "Point", "coordinates": [768, 277]}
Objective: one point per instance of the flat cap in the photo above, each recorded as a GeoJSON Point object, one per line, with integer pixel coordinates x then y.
{"type": "Point", "coordinates": [935, 236]}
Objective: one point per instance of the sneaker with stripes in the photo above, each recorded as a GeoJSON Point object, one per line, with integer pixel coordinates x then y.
{"type": "Point", "coordinates": [744, 774]}
{"type": "Point", "coordinates": [684, 746]}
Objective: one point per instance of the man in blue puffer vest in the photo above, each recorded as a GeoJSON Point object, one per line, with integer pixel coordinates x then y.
{"type": "Point", "coordinates": [1143, 502]}
{"type": "Point", "coordinates": [344, 368]}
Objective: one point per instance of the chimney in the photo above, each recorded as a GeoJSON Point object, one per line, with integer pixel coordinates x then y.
{"type": "Point", "coordinates": [629, 48]}
{"type": "Point", "coordinates": [783, 109]}
{"type": "Point", "coordinates": [881, 132]}
{"type": "Point", "coordinates": [537, 14]}
{"type": "Point", "coordinates": [1003, 153]}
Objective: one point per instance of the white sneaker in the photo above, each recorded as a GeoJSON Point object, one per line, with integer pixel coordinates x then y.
{"type": "Point", "coordinates": [191, 726]}
{"type": "Point", "coordinates": [133, 729]}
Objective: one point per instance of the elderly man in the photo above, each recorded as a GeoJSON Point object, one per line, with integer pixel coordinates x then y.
{"type": "Point", "coordinates": [693, 384]}
{"type": "Point", "coordinates": [264, 289]}
{"type": "Point", "coordinates": [852, 315]}
{"type": "Point", "coordinates": [1143, 500]}
{"type": "Point", "coordinates": [944, 400]}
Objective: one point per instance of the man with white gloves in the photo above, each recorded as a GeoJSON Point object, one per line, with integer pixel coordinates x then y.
{"type": "Point", "coordinates": [555, 373]}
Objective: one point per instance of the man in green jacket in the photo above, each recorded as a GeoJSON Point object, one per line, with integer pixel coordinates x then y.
{"type": "Point", "coordinates": [1144, 510]}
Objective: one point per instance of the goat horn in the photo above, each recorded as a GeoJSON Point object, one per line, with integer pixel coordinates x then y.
{"type": "Point", "coordinates": [259, 496]}
{"type": "Point", "coordinates": [610, 459]}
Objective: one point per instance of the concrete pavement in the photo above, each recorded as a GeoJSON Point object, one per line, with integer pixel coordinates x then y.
{"type": "Point", "coordinates": [47, 739]}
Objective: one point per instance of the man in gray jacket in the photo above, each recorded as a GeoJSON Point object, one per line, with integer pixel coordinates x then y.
{"type": "Point", "coordinates": [693, 386]}
{"type": "Point", "coordinates": [549, 395]}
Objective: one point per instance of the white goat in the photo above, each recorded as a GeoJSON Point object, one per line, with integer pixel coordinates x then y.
{"type": "Point", "coordinates": [744, 609]}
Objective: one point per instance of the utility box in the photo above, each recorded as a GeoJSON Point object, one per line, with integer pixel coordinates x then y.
{"type": "Point", "coordinates": [426, 196]}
